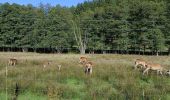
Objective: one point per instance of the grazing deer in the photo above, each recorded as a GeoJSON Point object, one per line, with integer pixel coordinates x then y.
{"type": "Point", "coordinates": [12, 62]}
{"type": "Point", "coordinates": [140, 62]}
{"type": "Point", "coordinates": [153, 67]}
{"type": "Point", "coordinates": [45, 64]}
{"type": "Point", "coordinates": [82, 60]}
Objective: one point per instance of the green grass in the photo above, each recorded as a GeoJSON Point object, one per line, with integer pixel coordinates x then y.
{"type": "Point", "coordinates": [31, 96]}
{"type": "Point", "coordinates": [3, 96]}
{"type": "Point", "coordinates": [113, 78]}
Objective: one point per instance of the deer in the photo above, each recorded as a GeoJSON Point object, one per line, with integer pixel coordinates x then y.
{"type": "Point", "coordinates": [153, 67]}
{"type": "Point", "coordinates": [46, 64]}
{"type": "Point", "coordinates": [86, 64]}
{"type": "Point", "coordinates": [140, 62]}
{"type": "Point", "coordinates": [88, 67]}
{"type": "Point", "coordinates": [82, 60]}
{"type": "Point", "coordinates": [12, 61]}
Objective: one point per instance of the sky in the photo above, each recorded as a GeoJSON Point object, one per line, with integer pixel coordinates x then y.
{"type": "Point", "coordinates": [67, 3]}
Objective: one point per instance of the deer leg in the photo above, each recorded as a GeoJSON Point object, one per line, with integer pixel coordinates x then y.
{"type": "Point", "coordinates": [161, 73]}
{"type": "Point", "coordinates": [86, 70]}
{"type": "Point", "coordinates": [158, 72]}
{"type": "Point", "coordinates": [146, 70]}
{"type": "Point", "coordinates": [142, 67]}
{"type": "Point", "coordinates": [91, 70]}
{"type": "Point", "coordinates": [135, 66]}
{"type": "Point", "coordinates": [44, 66]}
{"type": "Point", "coordinates": [9, 63]}
{"type": "Point", "coordinates": [14, 63]}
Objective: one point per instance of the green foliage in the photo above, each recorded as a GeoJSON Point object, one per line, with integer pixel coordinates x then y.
{"type": "Point", "coordinates": [102, 24]}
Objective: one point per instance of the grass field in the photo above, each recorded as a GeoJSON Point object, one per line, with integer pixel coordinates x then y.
{"type": "Point", "coordinates": [113, 78]}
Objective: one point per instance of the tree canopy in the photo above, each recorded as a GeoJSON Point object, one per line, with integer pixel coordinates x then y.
{"type": "Point", "coordinates": [141, 25]}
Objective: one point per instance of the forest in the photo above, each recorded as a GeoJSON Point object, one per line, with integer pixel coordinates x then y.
{"type": "Point", "coordinates": [128, 25]}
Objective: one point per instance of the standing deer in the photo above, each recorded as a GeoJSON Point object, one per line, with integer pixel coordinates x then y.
{"type": "Point", "coordinates": [153, 67]}
{"type": "Point", "coordinates": [86, 64]}
{"type": "Point", "coordinates": [88, 67]}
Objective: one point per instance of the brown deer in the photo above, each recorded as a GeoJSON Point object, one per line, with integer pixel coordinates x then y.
{"type": "Point", "coordinates": [153, 67]}
{"type": "Point", "coordinates": [46, 64]}
{"type": "Point", "coordinates": [88, 65]}
{"type": "Point", "coordinates": [12, 61]}
{"type": "Point", "coordinates": [141, 63]}
{"type": "Point", "coordinates": [82, 60]}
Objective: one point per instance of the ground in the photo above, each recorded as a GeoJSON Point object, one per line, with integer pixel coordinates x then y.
{"type": "Point", "coordinates": [113, 78]}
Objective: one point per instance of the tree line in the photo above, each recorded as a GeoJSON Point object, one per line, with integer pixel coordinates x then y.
{"type": "Point", "coordinates": [141, 25]}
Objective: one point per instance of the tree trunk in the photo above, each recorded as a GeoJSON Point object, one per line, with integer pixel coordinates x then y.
{"type": "Point", "coordinates": [144, 49]}
{"type": "Point", "coordinates": [58, 51]}
{"type": "Point", "coordinates": [24, 49]}
{"type": "Point", "coordinates": [82, 50]}
{"type": "Point", "coordinates": [157, 53]}
{"type": "Point", "coordinates": [35, 50]}
{"type": "Point", "coordinates": [104, 52]}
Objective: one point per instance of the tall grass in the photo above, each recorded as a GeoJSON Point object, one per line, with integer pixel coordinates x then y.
{"type": "Point", "coordinates": [113, 78]}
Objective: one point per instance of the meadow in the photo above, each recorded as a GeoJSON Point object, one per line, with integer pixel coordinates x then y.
{"type": "Point", "coordinates": [113, 78]}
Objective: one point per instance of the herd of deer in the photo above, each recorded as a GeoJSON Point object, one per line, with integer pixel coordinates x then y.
{"type": "Point", "coordinates": [139, 63]}
{"type": "Point", "coordinates": [14, 61]}
{"type": "Point", "coordinates": [148, 66]}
